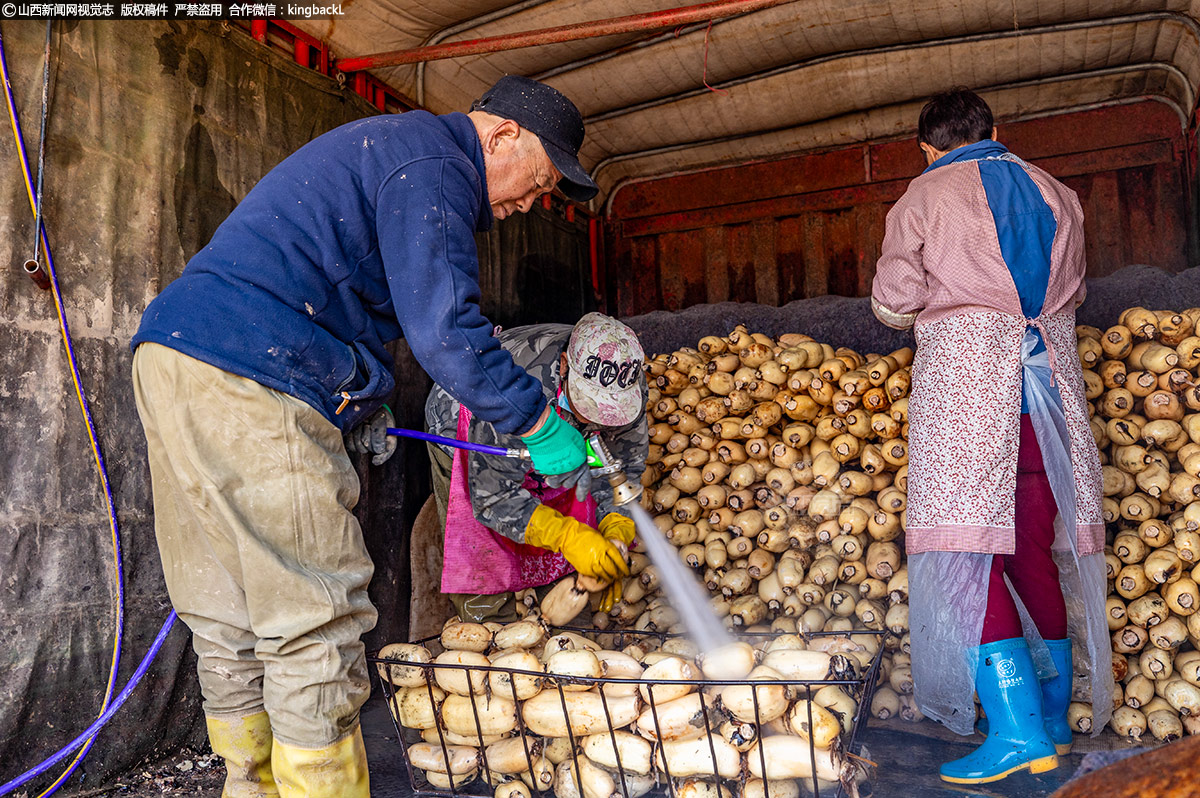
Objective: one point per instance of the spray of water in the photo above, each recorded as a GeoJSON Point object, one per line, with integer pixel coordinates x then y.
{"type": "Point", "coordinates": [681, 587]}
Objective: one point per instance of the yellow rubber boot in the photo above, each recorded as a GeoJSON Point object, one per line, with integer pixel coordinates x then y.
{"type": "Point", "coordinates": [335, 771]}
{"type": "Point", "coordinates": [244, 742]}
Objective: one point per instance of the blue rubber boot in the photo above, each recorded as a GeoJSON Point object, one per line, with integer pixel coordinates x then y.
{"type": "Point", "coordinates": [1056, 696]}
{"type": "Point", "coordinates": [1010, 694]}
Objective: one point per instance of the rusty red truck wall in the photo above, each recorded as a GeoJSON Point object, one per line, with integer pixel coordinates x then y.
{"type": "Point", "coordinates": [813, 224]}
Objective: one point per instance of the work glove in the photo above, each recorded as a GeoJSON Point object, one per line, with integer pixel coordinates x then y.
{"type": "Point", "coordinates": [371, 437]}
{"type": "Point", "coordinates": [588, 552]}
{"type": "Point", "coordinates": [580, 477]}
{"type": "Point", "coordinates": [612, 594]}
{"type": "Point", "coordinates": [559, 453]}
{"type": "Point", "coordinates": [615, 526]}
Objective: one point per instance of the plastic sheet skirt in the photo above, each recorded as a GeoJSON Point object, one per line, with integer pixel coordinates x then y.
{"type": "Point", "coordinates": [948, 590]}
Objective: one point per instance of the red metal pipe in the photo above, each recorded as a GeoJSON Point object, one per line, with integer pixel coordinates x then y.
{"type": "Point", "coordinates": [37, 273]}
{"type": "Point", "coordinates": [311, 43]}
{"type": "Point", "coordinates": [564, 33]}
{"type": "Point", "coordinates": [296, 33]}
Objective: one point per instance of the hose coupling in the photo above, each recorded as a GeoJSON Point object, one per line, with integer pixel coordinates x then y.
{"type": "Point", "coordinates": [603, 463]}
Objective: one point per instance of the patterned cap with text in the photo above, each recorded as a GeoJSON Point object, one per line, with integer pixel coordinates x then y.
{"type": "Point", "coordinates": [605, 360]}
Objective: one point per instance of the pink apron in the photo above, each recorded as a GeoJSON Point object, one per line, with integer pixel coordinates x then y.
{"type": "Point", "coordinates": [480, 561]}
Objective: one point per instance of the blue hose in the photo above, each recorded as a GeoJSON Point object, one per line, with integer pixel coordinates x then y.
{"type": "Point", "coordinates": [499, 451]}
{"type": "Point", "coordinates": [90, 732]}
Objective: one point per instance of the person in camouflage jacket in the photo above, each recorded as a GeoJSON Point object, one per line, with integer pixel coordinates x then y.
{"type": "Point", "coordinates": [611, 389]}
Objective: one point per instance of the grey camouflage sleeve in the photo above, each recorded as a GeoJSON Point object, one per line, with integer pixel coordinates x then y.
{"type": "Point", "coordinates": [497, 498]}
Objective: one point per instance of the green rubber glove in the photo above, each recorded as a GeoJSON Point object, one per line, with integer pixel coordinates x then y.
{"type": "Point", "coordinates": [556, 448]}
{"type": "Point", "coordinates": [588, 552]}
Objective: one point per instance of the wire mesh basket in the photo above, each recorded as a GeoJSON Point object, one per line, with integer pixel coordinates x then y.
{"type": "Point", "coordinates": [611, 737]}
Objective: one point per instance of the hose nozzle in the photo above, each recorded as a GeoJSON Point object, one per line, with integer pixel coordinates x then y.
{"type": "Point", "coordinates": [624, 491]}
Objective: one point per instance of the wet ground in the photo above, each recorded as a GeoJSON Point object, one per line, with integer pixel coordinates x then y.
{"type": "Point", "coordinates": [907, 755]}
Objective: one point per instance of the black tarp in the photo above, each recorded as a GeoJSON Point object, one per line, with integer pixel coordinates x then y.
{"type": "Point", "coordinates": [848, 321]}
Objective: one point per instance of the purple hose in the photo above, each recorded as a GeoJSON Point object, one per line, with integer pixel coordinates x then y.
{"type": "Point", "coordinates": [456, 443]}
{"type": "Point", "coordinates": [90, 732]}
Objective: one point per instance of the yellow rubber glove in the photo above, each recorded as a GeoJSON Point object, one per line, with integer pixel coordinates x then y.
{"type": "Point", "coordinates": [612, 594]}
{"type": "Point", "coordinates": [588, 552]}
{"type": "Point", "coordinates": [615, 526]}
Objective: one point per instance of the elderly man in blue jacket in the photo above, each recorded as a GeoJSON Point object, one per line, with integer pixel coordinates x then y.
{"type": "Point", "coordinates": [250, 368]}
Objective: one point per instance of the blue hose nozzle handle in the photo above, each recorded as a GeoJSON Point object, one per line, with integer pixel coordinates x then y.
{"type": "Point", "coordinates": [499, 451]}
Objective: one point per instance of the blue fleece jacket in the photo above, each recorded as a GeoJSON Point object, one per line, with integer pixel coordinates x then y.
{"type": "Point", "coordinates": [362, 235]}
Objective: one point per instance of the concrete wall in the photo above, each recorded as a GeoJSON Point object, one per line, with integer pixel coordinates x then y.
{"type": "Point", "coordinates": [156, 130]}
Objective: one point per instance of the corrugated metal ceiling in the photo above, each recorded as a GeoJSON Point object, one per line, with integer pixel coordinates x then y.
{"type": "Point", "coordinates": [799, 76]}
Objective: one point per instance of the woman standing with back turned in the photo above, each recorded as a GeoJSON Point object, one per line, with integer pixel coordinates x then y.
{"type": "Point", "coordinates": [983, 256]}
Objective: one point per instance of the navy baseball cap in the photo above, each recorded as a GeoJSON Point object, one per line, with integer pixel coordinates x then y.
{"type": "Point", "coordinates": [549, 115]}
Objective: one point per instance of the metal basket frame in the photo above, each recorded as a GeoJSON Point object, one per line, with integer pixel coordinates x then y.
{"type": "Point", "coordinates": [863, 687]}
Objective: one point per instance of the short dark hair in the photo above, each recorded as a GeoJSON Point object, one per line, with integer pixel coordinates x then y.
{"type": "Point", "coordinates": [954, 118]}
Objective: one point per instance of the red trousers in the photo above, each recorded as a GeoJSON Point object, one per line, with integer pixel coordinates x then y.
{"type": "Point", "coordinates": [1031, 568]}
